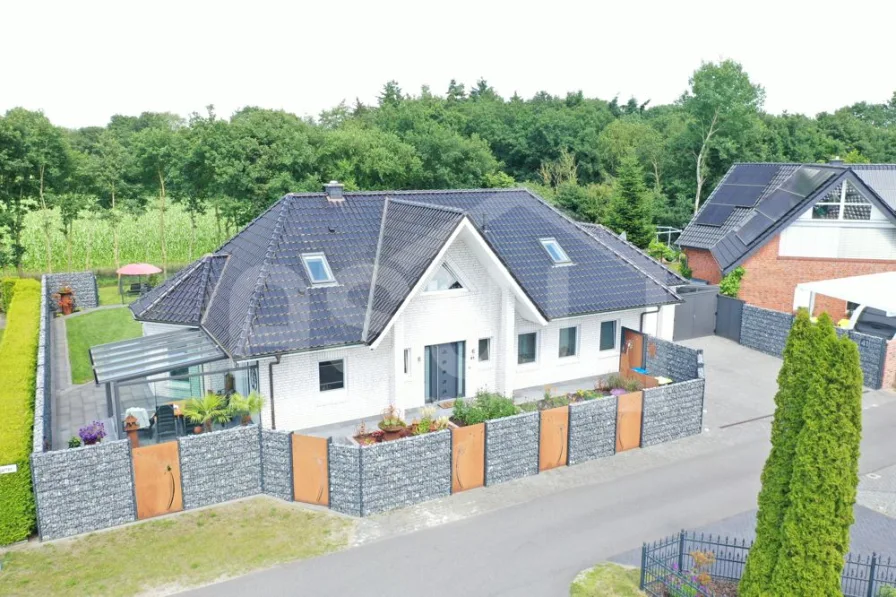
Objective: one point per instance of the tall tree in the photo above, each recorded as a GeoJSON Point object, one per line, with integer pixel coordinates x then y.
{"type": "Point", "coordinates": [724, 107]}
{"type": "Point", "coordinates": [629, 209]}
{"type": "Point", "coordinates": [110, 163]}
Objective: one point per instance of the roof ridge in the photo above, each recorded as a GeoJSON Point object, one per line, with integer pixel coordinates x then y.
{"type": "Point", "coordinates": [413, 192]}
{"type": "Point", "coordinates": [376, 266]}
{"type": "Point", "coordinates": [636, 248]}
{"type": "Point", "coordinates": [446, 208]}
{"type": "Point", "coordinates": [261, 280]}
{"type": "Point", "coordinates": [190, 269]}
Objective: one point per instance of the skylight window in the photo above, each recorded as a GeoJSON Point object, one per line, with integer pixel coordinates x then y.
{"type": "Point", "coordinates": [318, 269]}
{"type": "Point", "coordinates": [555, 251]}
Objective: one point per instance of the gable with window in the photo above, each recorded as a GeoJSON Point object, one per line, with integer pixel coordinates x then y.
{"type": "Point", "coordinates": [443, 279]}
{"type": "Point", "coordinates": [842, 203]}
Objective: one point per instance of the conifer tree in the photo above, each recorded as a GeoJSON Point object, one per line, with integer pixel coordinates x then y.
{"type": "Point", "coordinates": [629, 209]}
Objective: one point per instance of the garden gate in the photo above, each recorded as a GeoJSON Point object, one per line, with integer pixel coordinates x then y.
{"type": "Point", "coordinates": [629, 409]}
{"type": "Point", "coordinates": [311, 469]}
{"type": "Point", "coordinates": [467, 457]}
{"type": "Point", "coordinates": [729, 313]}
{"type": "Point", "coordinates": [157, 487]}
{"type": "Point", "coordinates": [553, 438]}
{"type": "Point", "coordinates": [696, 316]}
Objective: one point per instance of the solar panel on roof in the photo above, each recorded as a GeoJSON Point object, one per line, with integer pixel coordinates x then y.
{"type": "Point", "coordinates": [736, 194]}
{"type": "Point", "coordinates": [714, 215]}
{"type": "Point", "coordinates": [806, 180]}
{"type": "Point", "coordinates": [778, 203]}
{"type": "Point", "coordinates": [754, 228]}
{"type": "Point", "coordinates": [752, 174]}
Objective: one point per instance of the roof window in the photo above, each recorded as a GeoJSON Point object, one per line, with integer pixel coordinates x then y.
{"type": "Point", "coordinates": [318, 269]}
{"type": "Point", "coordinates": [555, 251]}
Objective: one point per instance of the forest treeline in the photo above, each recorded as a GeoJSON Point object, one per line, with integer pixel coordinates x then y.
{"type": "Point", "coordinates": [602, 160]}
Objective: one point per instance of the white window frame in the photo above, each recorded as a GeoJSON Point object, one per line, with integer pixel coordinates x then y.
{"type": "Point", "coordinates": [344, 376]}
{"type": "Point", "coordinates": [408, 363]}
{"type": "Point", "coordinates": [479, 358]}
{"type": "Point", "coordinates": [841, 204]}
{"type": "Point", "coordinates": [575, 355]}
{"type": "Point", "coordinates": [551, 241]}
{"type": "Point", "coordinates": [616, 333]}
{"type": "Point", "coordinates": [306, 257]}
{"type": "Point", "coordinates": [537, 349]}
{"type": "Point", "coordinates": [464, 287]}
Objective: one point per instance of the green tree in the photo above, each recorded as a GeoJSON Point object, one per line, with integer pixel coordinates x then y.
{"type": "Point", "coordinates": [110, 163]}
{"type": "Point", "coordinates": [798, 375]}
{"type": "Point", "coordinates": [629, 208]}
{"type": "Point", "coordinates": [815, 529]}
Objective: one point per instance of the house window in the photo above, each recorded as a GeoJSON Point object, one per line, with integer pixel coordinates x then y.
{"type": "Point", "coordinates": [608, 335]}
{"type": "Point", "coordinates": [555, 251]}
{"type": "Point", "coordinates": [407, 361]}
{"type": "Point", "coordinates": [526, 348]}
{"type": "Point", "coordinates": [443, 279]}
{"type": "Point", "coordinates": [332, 375]}
{"type": "Point", "coordinates": [485, 349]}
{"type": "Point", "coordinates": [842, 203]}
{"type": "Point", "coordinates": [568, 342]}
{"type": "Point", "coordinates": [318, 269]}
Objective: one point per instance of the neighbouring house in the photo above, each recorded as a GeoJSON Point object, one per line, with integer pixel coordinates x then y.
{"type": "Point", "coordinates": [786, 224]}
{"type": "Point", "coordinates": [338, 303]}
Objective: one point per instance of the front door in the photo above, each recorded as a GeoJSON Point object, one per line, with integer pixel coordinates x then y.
{"type": "Point", "coordinates": [444, 371]}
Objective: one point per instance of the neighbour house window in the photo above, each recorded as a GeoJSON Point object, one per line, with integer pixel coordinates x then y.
{"type": "Point", "coordinates": [407, 361]}
{"type": "Point", "coordinates": [332, 375]}
{"type": "Point", "coordinates": [443, 279]}
{"type": "Point", "coordinates": [842, 203]}
{"type": "Point", "coordinates": [485, 349]}
{"type": "Point", "coordinates": [318, 269]}
{"type": "Point", "coordinates": [568, 342]}
{"type": "Point", "coordinates": [526, 348]}
{"type": "Point", "coordinates": [555, 251]}
{"type": "Point", "coordinates": [608, 335]}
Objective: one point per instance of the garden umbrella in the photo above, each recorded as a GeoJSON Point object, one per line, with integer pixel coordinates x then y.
{"type": "Point", "coordinates": [135, 269]}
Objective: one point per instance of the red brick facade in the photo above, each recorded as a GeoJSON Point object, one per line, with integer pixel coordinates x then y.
{"type": "Point", "coordinates": [889, 381]}
{"type": "Point", "coordinates": [703, 265]}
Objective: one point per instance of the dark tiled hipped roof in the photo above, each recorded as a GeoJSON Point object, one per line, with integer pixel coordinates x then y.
{"type": "Point", "coordinates": [183, 299]}
{"type": "Point", "coordinates": [264, 302]}
{"type": "Point", "coordinates": [644, 261]}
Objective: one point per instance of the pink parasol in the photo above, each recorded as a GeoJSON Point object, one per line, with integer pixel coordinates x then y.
{"type": "Point", "coordinates": [138, 269]}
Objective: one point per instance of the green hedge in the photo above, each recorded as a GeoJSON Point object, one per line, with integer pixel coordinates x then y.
{"type": "Point", "coordinates": [7, 289]}
{"type": "Point", "coordinates": [18, 353]}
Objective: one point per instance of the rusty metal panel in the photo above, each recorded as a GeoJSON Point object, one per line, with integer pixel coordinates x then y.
{"type": "Point", "coordinates": [631, 353]}
{"type": "Point", "coordinates": [628, 421]}
{"type": "Point", "coordinates": [311, 475]}
{"type": "Point", "coordinates": [553, 438]}
{"type": "Point", "coordinates": [467, 457]}
{"type": "Point", "coordinates": [157, 485]}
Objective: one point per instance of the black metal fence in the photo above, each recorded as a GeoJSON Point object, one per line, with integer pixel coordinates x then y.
{"type": "Point", "coordinates": [668, 566]}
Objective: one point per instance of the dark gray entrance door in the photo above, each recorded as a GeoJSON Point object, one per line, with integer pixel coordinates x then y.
{"type": "Point", "coordinates": [444, 371]}
{"type": "Point", "coordinates": [729, 312]}
{"type": "Point", "coordinates": [696, 316]}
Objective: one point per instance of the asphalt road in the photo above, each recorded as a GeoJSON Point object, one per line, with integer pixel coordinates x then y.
{"type": "Point", "coordinates": [535, 548]}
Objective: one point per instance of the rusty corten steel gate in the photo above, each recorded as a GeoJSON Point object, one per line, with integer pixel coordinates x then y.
{"type": "Point", "coordinates": [554, 438]}
{"type": "Point", "coordinates": [467, 457]}
{"type": "Point", "coordinates": [157, 487]}
{"type": "Point", "coordinates": [628, 421]}
{"type": "Point", "coordinates": [311, 469]}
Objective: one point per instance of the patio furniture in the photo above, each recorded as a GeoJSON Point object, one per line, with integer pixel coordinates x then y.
{"type": "Point", "coordinates": [166, 422]}
{"type": "Point", "coordinates": [140, 414]}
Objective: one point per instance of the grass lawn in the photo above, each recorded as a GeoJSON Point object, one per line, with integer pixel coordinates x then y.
{"type": "Point", "coordinates": [109, 296]}
{"type": "Point", "coordinates": [606, 580]}
{"type": "Point", "coordinates": [174, 552]}
{"type": "Point", "coordinates": [90, 329]}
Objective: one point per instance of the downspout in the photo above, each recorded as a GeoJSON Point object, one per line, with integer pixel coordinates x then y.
{"type": "Point", "coordinates": [271, 390]}
{"type": "Point", "coordinates": [641, 323]}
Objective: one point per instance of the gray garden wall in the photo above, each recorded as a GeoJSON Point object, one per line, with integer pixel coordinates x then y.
{"type": "Point", "coordinates": [592, 430]}
{"type": "Point", "coordinates": [345, 478]}
{"type": "Point", "coordinates": [511, 448]}
{"type": "Point", "coordinates": [406, 471]}
{"type": "Point", "coordinates": [43, 409]}
{"type": "Point", "coordinates": [276, 464]}
{"type": "Point", "coordinates": [83, 283]}
{"type": "Point", "coordinates": [83, 489]}
{"type": "Point", "coordinates": [872, 357]}
{"type": "Point", "coordinates": [220, 466]}
{"type": "Point", "coordinates": [672, 412]}
{"type": "Point", "coordinates": [677, 362]}
{"type": "Point", "coordinates": [765, 330]}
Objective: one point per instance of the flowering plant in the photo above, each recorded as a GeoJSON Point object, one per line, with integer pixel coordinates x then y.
{"type": "Point", "coordinates": [92, 434]}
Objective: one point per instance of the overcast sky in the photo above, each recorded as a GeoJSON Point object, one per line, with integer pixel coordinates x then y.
{"type": "Point", "coordinates": [80, 62]}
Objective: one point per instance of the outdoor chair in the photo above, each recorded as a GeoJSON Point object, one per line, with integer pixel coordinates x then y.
{"type": "Point", "coordinates": [166, 423]}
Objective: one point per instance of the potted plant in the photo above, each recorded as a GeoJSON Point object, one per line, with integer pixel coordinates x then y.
{"type": "Point", "coordinates": [245, 406]}
{"type": "Point", "coordinates": [92, 433]}
{"type": "Point", "coordinates": [206, 411]}
{"type": "Point", "coordinates": [65, 300]}
{"type": "Point", "coordinates": [392, 424]}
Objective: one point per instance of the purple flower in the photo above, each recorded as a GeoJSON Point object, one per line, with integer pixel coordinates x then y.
{"type": "Point", "coordinates": [93, 433]}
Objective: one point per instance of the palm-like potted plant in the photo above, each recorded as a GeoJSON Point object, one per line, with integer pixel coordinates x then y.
{"type": "Point", "coordinates": [245, 406]}
{"type": "Point", "coordinates": [206, 411]}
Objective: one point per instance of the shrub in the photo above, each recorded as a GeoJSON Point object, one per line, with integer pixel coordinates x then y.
{"type": "Point", "coordinates": [661, 251]}
{"type": "Point", "coordinates": [7, 290]}
{"type": "Point", "coordinates": [18, 353]}
{"type": "Point", "coordinates": [485, 406]}
{"type": "Point", "coordinates": [684, 269]}
{"type": "Point", "coordinates": [887, 592]}
{"type": "Point", "coordinates": [730, 284]}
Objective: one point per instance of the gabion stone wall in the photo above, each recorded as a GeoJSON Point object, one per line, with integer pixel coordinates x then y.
{"type": "Point", "coordinates": [407, 471]}
{"type": "Point", "coordinates": [276, 464]}
{"type": "Point", "coordinates": [671, 412]}
{"type": "Point", "coordinates": [83, 283]}
{"type": "Point", "coordinates": [677, 362]}
{"type": "Point", "coordinates": [511, 448]}
{"type": "Point", "coordinates": [220, 466]}
{"type": "Point", "coordinates": [592, 430]}
{"type": "Point", "coordinates": [83, 489]}
{"type": "Point", "coordinates": [872, 356]}
{"type": "Point", "coordinates": [345, 478]}
{"type": "Point", "coordinates": [43, 424]}
{"type": "Point", "coordinates": [765, 330]}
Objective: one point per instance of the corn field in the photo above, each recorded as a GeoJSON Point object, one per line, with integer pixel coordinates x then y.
{"type": "Point", "coordinates": [139, 240]}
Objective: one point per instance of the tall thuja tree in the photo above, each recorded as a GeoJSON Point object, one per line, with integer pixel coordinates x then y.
{"type": "Point", "coordinates": [797, 375]}
{"type": "Point", "coordinates": [629, 210]}
{"type": "Point", "coordinates": [815, 531]}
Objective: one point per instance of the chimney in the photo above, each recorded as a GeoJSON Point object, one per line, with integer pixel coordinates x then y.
{"type": "Point", "coordinates": [836, 161]}
{"type": "Point", "coordinates": [334, 189]}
